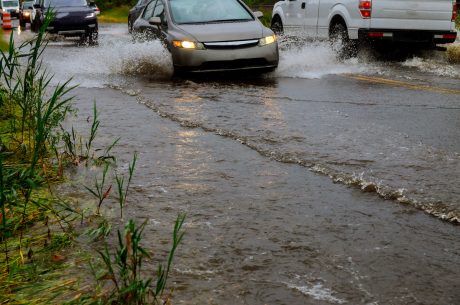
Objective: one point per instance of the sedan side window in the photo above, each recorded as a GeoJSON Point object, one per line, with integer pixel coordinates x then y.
{"type": "Point", "coordinates": [160, 11]}
{"type": "Point", "coordinates": [148, 12]}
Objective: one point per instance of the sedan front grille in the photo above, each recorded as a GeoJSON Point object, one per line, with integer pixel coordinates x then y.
{"type": "Point", "coordinates": [237, 44]}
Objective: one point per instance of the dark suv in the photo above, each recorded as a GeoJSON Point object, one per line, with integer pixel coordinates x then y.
{"type": "Point", "coordinates": [73, 18]}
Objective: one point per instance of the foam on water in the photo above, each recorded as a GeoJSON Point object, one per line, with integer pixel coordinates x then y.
{"type": "Point", "coordinates": [318, 292]}
{"type": "Point", "coordinates": [433, 66]}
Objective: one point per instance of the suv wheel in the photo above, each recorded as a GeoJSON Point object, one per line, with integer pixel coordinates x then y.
{"type": "Point", "coordinates": [90, 37]}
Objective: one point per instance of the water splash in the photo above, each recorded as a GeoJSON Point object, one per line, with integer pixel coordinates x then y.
{"type": "Point", "coordinates": [115, 56]}
{"type": "Point", "coordinates": [315, 60]}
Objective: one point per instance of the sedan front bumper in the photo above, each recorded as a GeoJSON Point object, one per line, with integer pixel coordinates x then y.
{"type": "Point", "coordinates": [209, 60]}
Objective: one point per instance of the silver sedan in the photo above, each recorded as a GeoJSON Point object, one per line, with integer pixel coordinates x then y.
{"type": "Point", "coordinates": [210, 35]}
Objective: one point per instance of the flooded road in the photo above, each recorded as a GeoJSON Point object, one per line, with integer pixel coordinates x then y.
{"type": "Point", "coordinates": [316, 184]}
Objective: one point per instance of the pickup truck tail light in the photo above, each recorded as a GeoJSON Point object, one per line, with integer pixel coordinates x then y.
{"type": "Point", "coordinates": [365, 8]}
{"type": "Point", "coordinates": [454, 12]}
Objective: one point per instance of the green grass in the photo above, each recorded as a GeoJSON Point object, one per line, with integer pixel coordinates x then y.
{"type": "Point", "coordinates": [115, 15]}
{"type": "Point", "coordinates": [3, 41]}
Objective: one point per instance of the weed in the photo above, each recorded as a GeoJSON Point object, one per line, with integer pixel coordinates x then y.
{"type": "Point", "coordinates": [100, 191]}
{"type": "Point", "coordinates": [74, 148]}
{"type": "Point", "coordinates": [124, 268]}
{"type": "Point", "coordinates": [103, 230]}
{"type": "Point", "coordinates": [122, 191]}
{"type": "Point", "coordinates": [93, 131]}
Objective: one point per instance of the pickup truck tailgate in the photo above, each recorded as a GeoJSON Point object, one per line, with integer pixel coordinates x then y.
{"type": "Point", "coordinates": [412, 14]}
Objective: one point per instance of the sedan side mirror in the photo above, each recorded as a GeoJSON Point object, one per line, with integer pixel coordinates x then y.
{"type": "Point", "coordinates": [258, 14]}
{"type": "Point", "coordinates": [155, 21]}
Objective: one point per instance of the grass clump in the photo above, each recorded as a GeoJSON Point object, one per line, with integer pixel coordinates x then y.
{"type": "Point", "coordinates": [124, 269]}
{"type": "Point", "coordinates": [3, 42]}
{"type": "Point", "coordinates": [31, 251]}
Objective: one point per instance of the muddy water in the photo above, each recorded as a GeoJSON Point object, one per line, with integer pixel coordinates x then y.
{"type": "Point", "coordinates": [253, 163]}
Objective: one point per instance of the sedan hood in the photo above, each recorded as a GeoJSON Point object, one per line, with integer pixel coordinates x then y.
{"type": "Point", "coordinates": [227, 31]}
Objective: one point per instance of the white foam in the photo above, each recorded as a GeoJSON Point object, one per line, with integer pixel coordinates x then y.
{"type": "Point", "coordinates": [433, 66]}
{"type": "Point", "coordinates": [318, 292]}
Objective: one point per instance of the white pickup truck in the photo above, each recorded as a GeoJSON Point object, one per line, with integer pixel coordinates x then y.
{"type": "Point", "coordinates": [420, 22]}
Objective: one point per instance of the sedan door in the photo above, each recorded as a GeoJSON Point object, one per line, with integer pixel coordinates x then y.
{"type": "Point", "coordinates": [154, 9]}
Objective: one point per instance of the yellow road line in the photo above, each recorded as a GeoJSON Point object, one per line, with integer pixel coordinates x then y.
{"type": "Point", "coordinates": [397, 83]}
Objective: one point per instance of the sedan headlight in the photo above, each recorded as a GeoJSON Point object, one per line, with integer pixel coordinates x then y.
{"type": "Point", "coordinates": [90, 15]}
{"type": "Point", "coordinates": [185, 44]}
{"type": "Point", "coordinates": [267, 40]}
{"type": "Point", "coordinates": [26, 14]}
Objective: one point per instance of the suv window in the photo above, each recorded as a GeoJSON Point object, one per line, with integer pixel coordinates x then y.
{"type": "Point", "coordinates": [141, 2]}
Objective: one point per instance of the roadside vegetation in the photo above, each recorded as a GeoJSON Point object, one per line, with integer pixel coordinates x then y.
{"type": "Point", "coordinates": [39, 249]}
{"type": "Point", "coordinates": [453, 51]}
{"type": "Point", "coordinates": [3, 41]}
{"type": "Point", "coordinates": [117, 14]}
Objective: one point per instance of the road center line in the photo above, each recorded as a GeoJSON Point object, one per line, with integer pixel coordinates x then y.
{"type": "Point", "coordinates": [407, 85]}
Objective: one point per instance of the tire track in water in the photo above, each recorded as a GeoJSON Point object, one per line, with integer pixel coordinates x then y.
{"type": "Point", "coordinates": [436, 209]}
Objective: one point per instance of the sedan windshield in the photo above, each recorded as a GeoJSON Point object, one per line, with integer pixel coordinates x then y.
{"type": "Point", "coordinates": [206, 11]}
{"type": "Point", "coordinates": [63, 3]}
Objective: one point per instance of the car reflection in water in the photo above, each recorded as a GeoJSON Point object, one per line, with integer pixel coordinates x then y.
{"type": "Point", "coordinates": [209, 35]}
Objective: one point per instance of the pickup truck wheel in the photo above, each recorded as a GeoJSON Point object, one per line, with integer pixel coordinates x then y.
{"type": "Point", "coordinates": [277, 26]}
{"type": "Point", "coordinates": [341, 43]}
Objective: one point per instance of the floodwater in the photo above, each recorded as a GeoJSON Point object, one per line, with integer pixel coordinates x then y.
{"type": "Point", "coordinates": [321, 183]}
